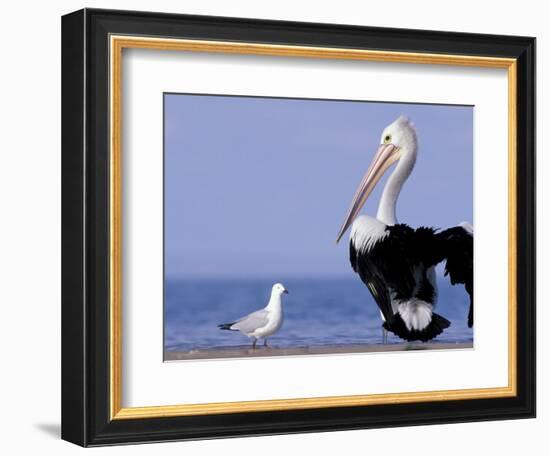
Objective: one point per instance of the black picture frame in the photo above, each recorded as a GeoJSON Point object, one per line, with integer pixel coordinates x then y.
{"type": "Point", "coordinates": [85, 228]}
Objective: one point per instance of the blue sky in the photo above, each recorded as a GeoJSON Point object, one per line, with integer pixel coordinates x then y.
{"type": "Point", "coordinates": [260, 186]}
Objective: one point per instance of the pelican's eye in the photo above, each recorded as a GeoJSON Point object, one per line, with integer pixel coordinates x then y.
{"type": "Point", "coordinates": [387, 139]}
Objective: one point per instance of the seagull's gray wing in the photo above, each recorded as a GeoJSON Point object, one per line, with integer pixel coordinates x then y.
{"type": "Point", "coordinates": [252, 321]}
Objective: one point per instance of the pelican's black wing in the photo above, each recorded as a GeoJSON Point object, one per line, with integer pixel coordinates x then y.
{"type": "Point", "coordinates": [456, 246]}
{"type": "Point", "coordinates": [393, 263]}
{"type": "Point", "coordinates": [370, 275]}
{"type": "Point", "coordinates": [396, 267]}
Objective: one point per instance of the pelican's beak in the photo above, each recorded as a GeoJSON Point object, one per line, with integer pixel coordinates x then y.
{"type": "Point", "coordinates": [386, 155]}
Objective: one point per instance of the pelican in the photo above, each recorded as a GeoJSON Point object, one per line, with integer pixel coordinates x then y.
{"type": "Point", "coordinates": [397, 262]}
{"type": "Point", "coordinates": [264, 322]}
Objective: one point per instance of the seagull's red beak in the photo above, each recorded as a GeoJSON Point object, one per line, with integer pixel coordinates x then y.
{"type": "Point", "coordinates": [385, 156]}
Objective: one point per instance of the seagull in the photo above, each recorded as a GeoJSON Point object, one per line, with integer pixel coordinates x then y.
{"type": "Point", "coordinates": [262, 323]}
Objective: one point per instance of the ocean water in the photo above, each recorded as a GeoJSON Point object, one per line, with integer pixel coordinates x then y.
{"type": "Point", "coordinates": [317, 312]}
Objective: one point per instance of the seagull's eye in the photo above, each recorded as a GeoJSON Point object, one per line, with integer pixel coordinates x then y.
{"type": "Point", "coordinates": [387, 139]}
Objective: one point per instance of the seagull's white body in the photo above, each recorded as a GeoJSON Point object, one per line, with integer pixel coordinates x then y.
{"type": "Point", "coordinates": [274, 319]}
{"type": "Point", "coordinates": [264, 322]}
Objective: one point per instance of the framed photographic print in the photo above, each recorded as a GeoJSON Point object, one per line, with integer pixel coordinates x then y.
{"type": "Point", "coordinates": [275, 227]}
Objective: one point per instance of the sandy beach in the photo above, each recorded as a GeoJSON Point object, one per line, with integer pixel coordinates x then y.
{"type": "Point", "coordinates": [260, 351]}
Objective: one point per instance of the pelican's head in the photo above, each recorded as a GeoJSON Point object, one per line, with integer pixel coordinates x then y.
{"type": "Point", "coordinates": [278, 289]}
{"type": "Point", "coordinates": [401, 134]}
{"type": "Point", "coordinates": [397, 143]}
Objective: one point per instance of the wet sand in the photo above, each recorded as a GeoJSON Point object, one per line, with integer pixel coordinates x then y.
{"type": "Point", "coordinates": [261, 351]}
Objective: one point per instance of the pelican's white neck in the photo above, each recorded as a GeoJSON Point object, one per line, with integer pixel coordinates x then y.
{"type": "Point", "coordinates": [388, 202]}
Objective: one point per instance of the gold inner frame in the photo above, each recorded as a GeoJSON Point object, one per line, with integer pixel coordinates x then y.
{"type": "Point", "coordinates": [117, 44]}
